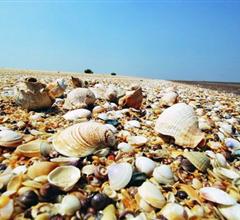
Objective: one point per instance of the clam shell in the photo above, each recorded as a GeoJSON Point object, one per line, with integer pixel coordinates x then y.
{"type": "Point", "coordinates": [169, 98]}
{"type": "Point", "coordinates": [40, 169]}
{"type": "Point", "coordinates": [217, 196]}
{"type": "Point", "coordinates": [180, 122]}
{"type": "Point", "coordinates": [83, 139]}
{"type": "Point", "coordinates": [10, 138]}
{"type": "Point", "coordinates": [31, 149]}
{"type": "Point", "coordinates": [137, 140]}
{"type": "Point", "coordinates": [64, 177]}
{"type": "Point", "coordinates": [151, 194]}
{"type": "Point", "coordinates": [230, 212]}
{"type": "Point", "coordinates": [174, 211]}
{"type": "Point", "coordinates": [76, 114]}
{"type": "Point", "coordinates": [198, 159]}
{"type": "Point", "coordinates": [163, 174]}
{"type": "Point", "coordinates": [119, 175]}
{"type": "Point", "coordinates": [145, 165]}
{"type": "Point", "coordinates": [79, 98]}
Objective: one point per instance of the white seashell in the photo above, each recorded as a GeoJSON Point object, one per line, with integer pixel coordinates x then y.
{"type": "Point", "coordinates": [64, 177]}
{"type": "Point", "coordinates": [7, 210]}
{"type": "Point", "coordinates": [103, 116]}
{"type": "Point", "coordinates": [203, 124]}
{"type": "Point", "coordinates": [145, 206]}
{"type": "Point", "coordinates": [76, 114]}
{"type": "Point", "coordinates": [151, 194]}
{"type": "Point", "coordinates": [19, 169]}
{"type": "Point", "coordinates": [145, 165]}
{"type": "Point", "coordinates": [174, 211]}
{"type": "Point", "coordinates": [119, 175]}
{"type": "Point", "coordinates": [124, 147]}
{"type": "Point", "coordinates": [232, 143]}
{"type": "Point", "coordinates": [163, 174]}
{"type": "Point", "coordinates": [231, 174]}
{"type": "Point", "coordinates": [169, 98]}
{"type": "Point", "coordinates": [217, 196]}
{"type": "Point", "coordinates": [230, 212]}
{"type": "Point", "coordinates": [180, 122]}
{"type": "Point", "coordinates": [137, 140]}
{"type": "Point", "coordinates": [88, 169]}
{"type": "Point", "coordinates": [132, 124]}
{"type": "Point", "coordinates": [10, 138]}
{"type": "Point", "coordinates": [221, 160]}
{"type": "Point", "coordinates": [69, 205]}
{"type": "Point", "coordinates": [225, 128]}
{"type": "Point", "coordinates": [111, 127]}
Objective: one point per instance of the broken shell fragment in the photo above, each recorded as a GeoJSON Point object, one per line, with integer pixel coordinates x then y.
{"type": "Point", "coordinates": [230, 212]}
{"type": "Point", "coordinates": [56, 89]}
{"type": "Point", "coordinates": [145, 165]}
{"type": "Point", "coordinates": [163, 174]}
{"type": "Point", "coordinates": [217, 196]}
{"type": "Point", "coordinates": [174, 211]}
{"type": "Point", "coordinates": [40, 169]}
{"type": "Point", "coordinates": [83, 139]}
{"type": "Point", "coordinates": [64, 177]}
{"type": "Point", "coordinates": [133, 100]}
{"type": "Point", "coordinates": [151, 194]}
{"type": "Point", "coordinates": [180, 122]}
{"type": "Point", "coordinates": [119, 175]}
{"type": "Point", "coordinates": [10, 138]}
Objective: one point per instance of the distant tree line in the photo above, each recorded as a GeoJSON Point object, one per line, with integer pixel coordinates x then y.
{"type": "Point", "coordinates": [89, 71]}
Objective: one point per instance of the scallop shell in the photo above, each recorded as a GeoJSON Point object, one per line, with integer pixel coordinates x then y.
{"type": "Point", "coordinates": [179, 121]}
{"type": "Point", "coordinates": [133, 100]}
{"type": "Point", "coordinates": [10, 138]}
{"type": "Point", "coordinates": [83, 139]}
{"type": "Point", "coordinates": [230, 212]}
{"type": "Point", "coordinates": [198, 159]}
{"type": "Point", "coordinates": [217, 196]}
{"type": "Point", "coordinates": [31, 149]}
{"type": "Point", "coordinates": [79, 98]}
{"type": "Point", "coordinates": [163, 174]}
{"type": "Point", "coordinates": [64, 177]}
{"type": "Point", "coordinates": [169, 98]}
{"type": "Point", "coordinates": [40, 168]}
{"type": "Point", "coordinates": [151, 194]}
{"type": "Point", "coordinates": [119, 175]}
{"type": "Point", "coordinates": [145, 165]}
{"type": "Point", "coordinates": [76, 114]}
{"type": "Point", "coordinates": [174, 211]}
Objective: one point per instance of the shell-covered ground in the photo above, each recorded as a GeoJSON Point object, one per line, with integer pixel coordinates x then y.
{"type": "Point", "coordinates": [144, 174]}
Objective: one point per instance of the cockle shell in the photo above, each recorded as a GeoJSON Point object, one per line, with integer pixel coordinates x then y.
{"type": "Point", "coordinates": [230, 212]}
{"type": "Point", "coordinates": [179, 121]}
{"type": "Point", "coordinates": [76, 114]}
{"type": "Point", "coordinates": [40, 168]}
{"type": "Point", "coordinates": [169, 98]}
{"type": "Point", "coordinates": [163, 174]}
{"type": "Point", "coordinates": [79, 98]}
{"type": "Point", "coordinates": [83, 139]}
{"type": "Point", "coordinates": [217, 196]}
{"type": "Point", "coordinates": [145, 165]}
{"type": "Point", "coordinates": [174, 211]}
{"type": "Point", "coordinates": [64, 177]}
{"type": "Point", "coordinates": [198, 159]}
{"type": "Point", "coordinates": [151, 194]}
{"type": "Point", "coordinates": [10, 138]}
{"type": "Point", "coordinates": [133, 100]}
{"type": "Point", "coordinates": [119, 175]}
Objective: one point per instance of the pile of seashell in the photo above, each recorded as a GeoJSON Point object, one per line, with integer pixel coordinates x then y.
{"type": "Point", "coordinates": [117, 148]}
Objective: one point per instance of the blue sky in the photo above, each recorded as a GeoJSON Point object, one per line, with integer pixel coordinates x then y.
{"type": "Point", "coordinates": [189, 40]}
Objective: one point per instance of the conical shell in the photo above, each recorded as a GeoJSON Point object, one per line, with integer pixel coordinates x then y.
{"type": "Point", "coordinates": [180, 122]}
{"type": "Point", "coordinates": [133, 100]}
{"type": "Point", "coordinates": [83, 139]}
{"type": "Point", "coordinates": [198, 159]}
{"type": "Point", "coordinates": [79, 98]}
{"type": "Point", "coordinates": [10, 138]}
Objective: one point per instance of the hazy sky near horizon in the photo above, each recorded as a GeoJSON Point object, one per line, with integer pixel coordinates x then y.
{"type": "Point", "coordinates": [188, 40]}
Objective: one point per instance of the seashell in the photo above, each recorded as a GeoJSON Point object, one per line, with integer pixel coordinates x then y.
{"type": "Point", "coordinates": [174, 211]}
{"type": "Point", "coordinates": [198, 159]}
{"type": "Point", "coordinates": [145, 165]}
{"type": "Point", "coordinates": [217, 196]}
{"type": "Point", "coordinates": [151, 194]}
{"type": "Point", "coordinates": [56, 89]}
{"type": "Point", "coordinates": [203, 124]}
{"type": "Point", "coordinates": [111, 94]}
{"type": "Point", "coordinates": [46, 149]}
{"type": "Point", "coordinates": [40, 168]}
{"type": "Point", "coordinates": [69, 205]}
{"type": "Point", "coordinates": [132, 100]}
{"type": "Point", "coordinates": [180, 122]}
{"type": "Point", "coordinates": [226, 173]}
{"type": "Point", "coordinates": [76, 114]}
{"type": "Point", "coordinates": [31, 149]}
{"type": "Point", "coordinates": [14, 183]}
{"type": "Point", "coordinates": [98, 109]}
{"type": "Point", "coordinates": [10, 138]}
{"type": "Point", "coordinates": [64, 177]}
{"type": "Point", "coordinates": [132, 124]}
{"type": "Point", "coordinates": [230, 212]}
{"type": "Point", "coordinates": [83, 139]}
{"type": "Point", "coordinates": [77, 83]}
{"type": "Point", "coordinates": [33, 85]}
{"type": "Point", "coordinates": [88, 169]}
{"type": "Point", "coordinates": [124, 147]}
{"type": "Point", "coordinates": [225, 128]}
{"type": "Point", "coordinates": [7, 209]}
{"type": "Point", "coordinates": [119, 175]}
{"type": "Point", "coordinates": [163, 174]}
{"type": "Point", "coordinates": [109, 213]}
{"type": "Point", "coordinates": [79, 98]}
{"type": "Point", "coordinates": [137, 141]}
{"type": "Point", "coordinates": [169, 98]}
{"type": "Point", "coordinates": [232, 143]}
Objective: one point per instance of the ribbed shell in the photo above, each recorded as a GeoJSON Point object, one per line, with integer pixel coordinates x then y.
{"type": "Point", "coordinates": [79, 98]}
{"type": "Point", "coordinates": [179, 121]}
{"type": "Point", "coordinates": [198, 159]}
{"type": "Point", "coordinates": [83, 139]}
